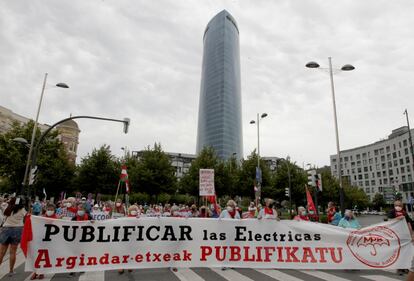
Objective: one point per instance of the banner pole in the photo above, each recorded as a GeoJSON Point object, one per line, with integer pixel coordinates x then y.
{"type": "Point", "coordinates": [117, 190]}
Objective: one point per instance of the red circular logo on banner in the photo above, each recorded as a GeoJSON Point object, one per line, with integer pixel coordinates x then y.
{"type": "Point", "coordinates": [365, 245]}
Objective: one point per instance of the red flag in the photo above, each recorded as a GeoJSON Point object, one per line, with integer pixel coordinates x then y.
{"type": "Point", "coordinates": [27, 235]}
{"type": "Point", "coordinates": [124, 177]}
{"type": "Point", "coordinates": [213, 200]}
{"type": "Point", "coordinates": [311, 206]}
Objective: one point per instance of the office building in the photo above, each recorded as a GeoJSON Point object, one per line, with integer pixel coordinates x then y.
{"type": "Point", "coordinates": [68, 132]}
{"type": "Point", "coordinates": [379, 166]}
{"type": "Point", "coordinates": [219, 117]}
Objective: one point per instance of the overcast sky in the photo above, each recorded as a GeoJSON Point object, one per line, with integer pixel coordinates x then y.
{"type": "Point", "coordinates": [142, 60]}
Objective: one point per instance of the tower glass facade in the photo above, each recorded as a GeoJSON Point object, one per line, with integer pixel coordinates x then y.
{"type": "Point", "coordinates": [219, 118]}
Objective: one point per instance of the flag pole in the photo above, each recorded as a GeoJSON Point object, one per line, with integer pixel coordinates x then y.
{"type": "Point", "coordinates": [117, 190]}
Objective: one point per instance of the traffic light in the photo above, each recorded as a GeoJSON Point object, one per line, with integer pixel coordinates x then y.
{"type": "Point", "coordinates": [33, 175]}
{"type": "Point", "coordinates": [287, 193]}
{"type": "Point", "coordinates": [312, 177]}
{"type": "Point", "coordinates": [127, 121]}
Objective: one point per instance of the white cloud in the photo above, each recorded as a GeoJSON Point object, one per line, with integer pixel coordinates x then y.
{"type": "Point", "coordinates": [142, 59]}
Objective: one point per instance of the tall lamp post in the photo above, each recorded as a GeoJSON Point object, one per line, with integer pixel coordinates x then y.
{"type": "Point", "coordinates": [258, 171]}
{"type": "Point", "coordinates": [346, 67]}
{"type": "Point", "coordinates": [410, 140]}
{"type": "Point", "coordinates": [29, 156]}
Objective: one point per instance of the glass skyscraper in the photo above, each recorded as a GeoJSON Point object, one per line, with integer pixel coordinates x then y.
{"type": "Point", "coordinates": [219, 117]}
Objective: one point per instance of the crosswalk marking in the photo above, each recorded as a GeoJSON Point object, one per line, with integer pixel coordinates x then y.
{"type": "Point", "coordinates": [379, 278]}
{"type": "Point", "coordinates": [231, 274]}
{"type": "Point", "coordinates": [4, 267]}
{"type": "Point", "coordinates": [47, 277]}
{"type": "Point", "coordinates": [186, 274]}
{"type": "Point", "coordinates": [323, 275]}
{"type": "Point", "coordinates": [92, 275]}
{"type": "Point", "coordinates": [279, 275]}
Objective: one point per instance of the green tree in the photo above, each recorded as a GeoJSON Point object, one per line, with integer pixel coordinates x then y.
{"type": "Point", "coordinates": [247, 177]}
{"type": "Point", "coordinates": [298, 180]}
{"type": "Point", "coordinates": [98, 172]}
{"type": "Point", "coordinates": [378, 201]}
{"type": "Point", "coordinates": [154, 173]}
{"type": "Point", "coordinates": [207, 159]}
{"type": "Point", "coordinates": [54, 170]}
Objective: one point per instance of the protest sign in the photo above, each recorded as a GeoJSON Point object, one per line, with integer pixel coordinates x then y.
{"type": "Point", "coordinates": [207, 182]}
{"type": "Point", "coordinates": [99, 215]}
{"type": "Point", "coordinates": [65, 246]}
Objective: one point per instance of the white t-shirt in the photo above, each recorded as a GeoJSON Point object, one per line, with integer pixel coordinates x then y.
{"type": "Point", "coordinates": [226, 215]}
{"type": "Point", "coordinates": [15, 219]}
{"type": "Point", "coordinates": [263, 215]}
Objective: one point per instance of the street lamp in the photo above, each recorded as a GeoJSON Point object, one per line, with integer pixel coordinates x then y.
{"type": "Point", "coordinates": [346, 67]}
{"type": "Point", "coordinates": [258, 172]}
{"type": "Point", "coordinates": [29, 156]}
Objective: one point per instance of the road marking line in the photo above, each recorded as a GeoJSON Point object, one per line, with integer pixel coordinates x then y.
{"type": "Point", "coordinates": [323, 275]}
{"type": "Point", "coordinates": [92, 275]}
{"type": "Point", "coordinates": [47, 277]}
{"type": "Point", "coordinates": [4, 267]}
{"type": "Point", "coordinates": [278, 275]}
{"type": "Point", "coordinates": [379, 278]}
{"type": "Point", "coordinates": [231, 275]}
{"type": "Point", "coordinates": [186, 274]}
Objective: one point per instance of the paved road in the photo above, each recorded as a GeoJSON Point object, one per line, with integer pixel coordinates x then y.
{"type": "Point", "coordinates": [211, 274]}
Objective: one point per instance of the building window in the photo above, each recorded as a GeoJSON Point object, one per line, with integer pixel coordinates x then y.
{"type": "Point", "coordinates": [394, 155]}
{"type": "Point", "coordinates": [390, 172]}
{"type": "Point", "coordinates": [381, 151]}
{"type": "Point", "coordinates": [402, 170]}
{"type": "Point", "coordinates": [380, 181]}
{"type": "Point", "coordinates": [405, 142]}
{"type": "Point", "coordinates": [382, 158]}
{"type": "Point", "coordinates": [364, 155]}
{"type": "Point", "coordinates": [403, 178]}
{"type": "Point", "coordinates": [399, 153]}
{"type": "Point", "coordinates": [359, 170]}
{"type": "Point", "coordinates": [370, 168]}
{"type": "Point", "coordinates": [346, 158]}
{"type": "Point", "coordinates": [394, 146]}
{"type": "Point", "coordinates": [365, 169]}
{"type": "Point", "coordinates": [372, 182]}
{"type": "Point", "coordinates": [378, 174]}
{"type": "Point", "coordinates": [367, 190]}
{"type": "Point", "coordinates": [376, 152]}
{"type": "Point", "coordinates": [388, 149]}
{"type": "Point", "coordinates": [408, 169]}
{"type": "Point", "coordinates": [409, 178]}
{"type": "Point", "coordinates": [401, 161]}
{"type": "Point", "coordinates": [358, 156]}
{"type": "Point", "coordinates": [406, 151]}
{"type": "Point", "coordinates": [352, 164]}
{"type": "Point", "coordinates": [384, 173]}
{"type": "Point", "coordinates": [359, 163]}
{"type": "Point", "coordinates": [366, 183]}
{"type": "Point", "coordinates": [388, 156]}
{"type": "Point", "coordinates": [372, 190]}
{"type": "Point", "coordinates": [385, 181]}
{"type": "Point", "coordinates": [353, 171]}
{"type": "Point", "coordinates": [360, 177]}
{"type": "Point", "coordinates": [395, 163]}
{"type": "Point", "coordinates": [365, 176]}
{"type": "Point", "coordinates": [383, 166]}
{"type": "Point", "coordinates": [407, 159]}
{"type": "Point", "coordinates": [370, 161]}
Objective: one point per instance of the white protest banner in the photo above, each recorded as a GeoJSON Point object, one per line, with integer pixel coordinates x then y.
{"type": "Point", "coordinates": [67, 246]}
{"type": "Point", "coordinates": [206, 182]}
{"type": "Point", "coordinates": [100, 216]}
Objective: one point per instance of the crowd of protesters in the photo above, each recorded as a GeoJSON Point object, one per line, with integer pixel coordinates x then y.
{"type": "Point", "coordinates": [14, 209]}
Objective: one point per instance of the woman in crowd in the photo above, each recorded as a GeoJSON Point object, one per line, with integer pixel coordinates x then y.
{"type": "Point", "coordinates": [230, 212]}
{"type": "Point", "coordinates": [119, 210]}
{"type": "Point", "coordinates": [349, 221]}
{"type": "Point", "coordinates": [133, 211]}
{"type": "Point", "coordinates": [302, 214]}
{"type": "Point", "coordinates": [11, 231]}
{"type": "Point", "coordinates": [81, 214]}
{"type": "Point", "coordinates": [268, 212]}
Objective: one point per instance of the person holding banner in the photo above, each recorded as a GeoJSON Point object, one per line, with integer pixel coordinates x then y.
{"type": "Point", "coordinates": [119, 210]}
{"type": "Point", "coordinates": [349, 221]}
{"type": "Point", "coordinates": [11, 230]}
{"type": "Point", "coordinates": [302, 214]}
{"type": "Point", "coordinates": [51, 214]}
{"type": "Point", "coordinates": [81, 214]}
{"type": "Point", "coordinates": [268, 212]}
{"type": "Point", "coordinates": [230, 212]}
{"type": "Point", "coordinates": [133, 211]}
